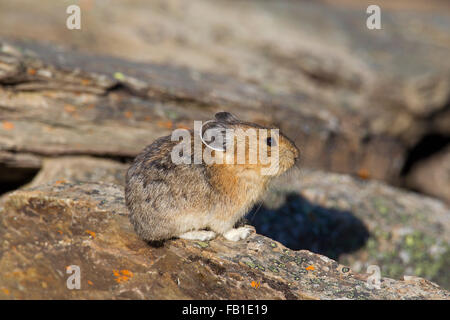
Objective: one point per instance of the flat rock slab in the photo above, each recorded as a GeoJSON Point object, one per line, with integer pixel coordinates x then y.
{"type": "Point", "coordinates": [80, 169]}
{"type": "Point", "coordinates": [46, 229]}
{"type": "Point", "coordinates": [56, 102]}
{"type": "Point", "coordinates": [354, 221]}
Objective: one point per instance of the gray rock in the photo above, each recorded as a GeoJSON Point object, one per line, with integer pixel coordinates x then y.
{"type": "Point", "coordinates": [46, 229]}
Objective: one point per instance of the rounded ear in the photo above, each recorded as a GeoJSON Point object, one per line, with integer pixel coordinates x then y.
{"type": "Point", "coordinates": [225, 117]}
{"type": "Point", "coordinates": [214, 135]}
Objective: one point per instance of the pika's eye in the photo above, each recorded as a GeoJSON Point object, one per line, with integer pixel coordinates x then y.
{"type": "Point", "coordinates": [271, 142]}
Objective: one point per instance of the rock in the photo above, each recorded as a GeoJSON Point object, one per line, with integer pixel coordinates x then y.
{"type": "Point", "coordinates": [80, 169]}
{"type": "Point", "coordinates": [350, 96]}
{"type": "Point", "coordinates": [17, 168]}
{"type": "Point", "coordinates": [46, 229]}
{"type": "Point", "coordinates": [432, 176]}
{"type": "Point", "coordinates": [359, 223]}
{"type": "Point", "coordinates": [110, 107]}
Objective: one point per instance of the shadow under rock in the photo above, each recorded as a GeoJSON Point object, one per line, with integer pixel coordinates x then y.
{"type": "Point", "coordinates": [299, 224]}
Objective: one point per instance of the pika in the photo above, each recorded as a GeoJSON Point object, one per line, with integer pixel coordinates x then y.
{"type": "Point", "coordinates": [198, 201]}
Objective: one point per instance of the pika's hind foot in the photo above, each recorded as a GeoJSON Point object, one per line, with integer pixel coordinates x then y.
{"type": "Point", "coordinates": [200, 235]}
{"type": "Point", "coordinates": [237, 234]}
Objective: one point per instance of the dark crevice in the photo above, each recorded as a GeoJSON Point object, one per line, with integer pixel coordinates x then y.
{"type": "Point", "coordinates": [122, 88]}
{"type": "Point", "coordinates": [438, 112]}
{"type": "Point", "coordinates": [429, 145]}
{"type": "Point", "coordinates": [14, 178]}
{"type": "Point", "coordinates": [149, 93]}
{"type": "Point", "coordinates": [116, 158]}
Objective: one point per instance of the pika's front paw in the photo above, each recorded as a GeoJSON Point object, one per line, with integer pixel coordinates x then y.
{"type": "Point", "coordinates": [201, 235]}
{"type": "Point", "coordinates": [237, 234]}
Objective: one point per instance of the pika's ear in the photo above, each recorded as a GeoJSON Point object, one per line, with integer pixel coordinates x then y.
{"type": "Point", "coordinates": [214, 135]}
{"type": "Point", "coordinates": [225, 117]}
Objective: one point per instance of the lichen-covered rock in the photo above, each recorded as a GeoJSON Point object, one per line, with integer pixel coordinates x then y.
{"type": "Point", "coordinates": [46, 229]}
{"type": "Point", "coordinates": [359, 223]}
{"type": "Point", "coordinates": [357, 108]}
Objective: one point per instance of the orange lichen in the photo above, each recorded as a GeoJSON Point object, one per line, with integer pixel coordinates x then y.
{"type": "Point", "coordinates": [123, 275]}
{"type": "Point", "coordinates": [31, 71]}
{"type": "Point", "coordinates": [5, 291]}
{"type": "Point", "coordinates": [255, 284]}
{"type": "Point", "coordinates": [127, 273]}
{"type": "Point", "coordinates": [165, 124]}
{"type": "Point", "coordinates": [311, 268]}
{"type": "Point", "coordinates": [363, 174]}
{"type": "Point", "coordinates": [60, 181]}
{"type": "Point", "coordinates": [91, 233]}
{"type": "Point", "coordinates": [128, 114]}
{"type": "Point", "coordinates": [70, 108]}
{"type": "Point", "coordinates": [90, 283]}
{"type": "Point", "coordinates": [59, 231]}
{"type": "Point", "coordinates": [16, 274]}
{"type": "Point", "coordinates": [8, 125]}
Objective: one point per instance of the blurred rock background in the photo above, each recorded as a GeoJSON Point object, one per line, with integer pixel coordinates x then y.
{"type": "Point", "coordinates": [369, 109]}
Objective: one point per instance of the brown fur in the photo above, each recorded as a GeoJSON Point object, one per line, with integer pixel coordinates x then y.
{"type": "Point", "coordinates": [166, 200]}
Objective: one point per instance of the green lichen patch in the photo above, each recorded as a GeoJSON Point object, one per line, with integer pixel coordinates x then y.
{"type": "Point", "coordinates": [202, 244]}
{"type": "Point", "coordinates": [274, 269]}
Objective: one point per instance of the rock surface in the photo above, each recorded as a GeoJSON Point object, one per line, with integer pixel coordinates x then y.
{"type": "Point", "coordinates": [65, 103]}
{"type": "Point", "coordinates": [355, 99]}
{"type": "Point", "coordinates": [359, 223]}
{"type": "Point", "coordinates": [433, 175]}
{"type": "Point", "coordinates": [80, 169]}
{"type": "Point", "coordinates": [46, 229]}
